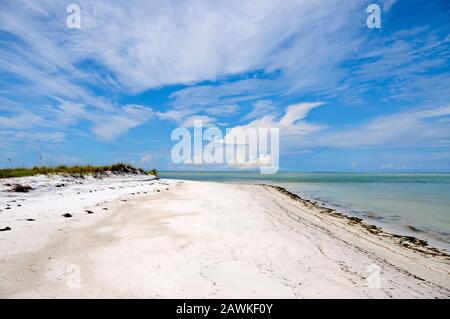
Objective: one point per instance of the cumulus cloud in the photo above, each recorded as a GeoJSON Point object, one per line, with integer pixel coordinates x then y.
{"type": "Point", "coordinates": [291, 122]}
{"type": "Point", "coordinates": [419, 126]}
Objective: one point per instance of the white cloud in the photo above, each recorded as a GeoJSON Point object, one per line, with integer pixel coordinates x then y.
{"type": "Point", "coordinates": [20, 121]}
{"type": "Point", "coordinates": [110, 127]}
{"type": "Point", "coordinates": [263, 160]}
{"type": "Point", "coordinates": [261, 107]}
{"type": "Point", "coordinates": [205, 121]}
{"type": "Point", "coordinates": [206, 40]}
{"type": "Point", "coordinates": [53, 122]}
{"type": "Point", "coordinates": [291, 125]}
{"type": "Point", "coordinates": [150, 44]}
{"type": "Point", "coordinates": [155, 43]}
{"type": "Point", "coordinates": [207, 98]}
{"type": "Point", "coordinates": [24, 137]}
{"type": "Point", "coordinates": [223, 110]}
{"type": "Point", "coordinates": [175, 115]}
{"type": "Point", "coordinates": [292, 46]}
{"type": "Point", "coordinates": [297, 112]}
{"type": "Point", "coordinates": [420, 127]}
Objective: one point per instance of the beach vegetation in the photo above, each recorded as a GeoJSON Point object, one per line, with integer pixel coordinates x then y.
{"type": "Point", "coordinates": [74, 171]}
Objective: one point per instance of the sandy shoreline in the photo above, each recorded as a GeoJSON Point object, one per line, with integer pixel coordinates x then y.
{"type": "Point", "coordinates": [169, 239]}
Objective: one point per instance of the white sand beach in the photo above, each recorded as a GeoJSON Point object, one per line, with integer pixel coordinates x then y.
{"type": "Point", "coordinates": [135, 237]}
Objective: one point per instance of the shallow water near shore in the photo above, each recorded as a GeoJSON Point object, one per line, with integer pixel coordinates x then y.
{"type": "Point", "coordinates": [410, 204]}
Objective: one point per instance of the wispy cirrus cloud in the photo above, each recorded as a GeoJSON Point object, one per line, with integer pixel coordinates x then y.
{"type": "Point", "coordinates": [261, 107]}
{"type": "Point", "coordinates": [57, 120]}
{"type": "Point", "coordinates": [292, 123]}
{"type": "Point", "coordinates": [113, 125]}
{"type": "Point", "coordinates": [419, 127]}
{"type": "Point", "coordinates": [205, 120]}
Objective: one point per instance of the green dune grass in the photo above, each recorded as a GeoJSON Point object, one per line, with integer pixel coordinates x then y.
{"type": "Point", "coordinates": [73, 170]}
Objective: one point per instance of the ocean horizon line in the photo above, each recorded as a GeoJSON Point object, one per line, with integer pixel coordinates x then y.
{"type": "Point", "coordinates": [307, 172]}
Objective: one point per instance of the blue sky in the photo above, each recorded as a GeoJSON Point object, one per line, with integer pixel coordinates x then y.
{"type": "Point", "coordinates": [115, 89]}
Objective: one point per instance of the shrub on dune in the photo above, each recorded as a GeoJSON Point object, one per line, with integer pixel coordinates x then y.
{"type": "Point", "coordinates": [74, 171]}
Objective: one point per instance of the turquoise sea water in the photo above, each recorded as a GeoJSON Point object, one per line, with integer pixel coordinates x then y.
{"type": "Point", "coordinates": [412, 204]}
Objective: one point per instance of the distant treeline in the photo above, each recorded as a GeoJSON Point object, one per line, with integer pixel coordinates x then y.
{"type": "Point", "coordinates": [119, 168]}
